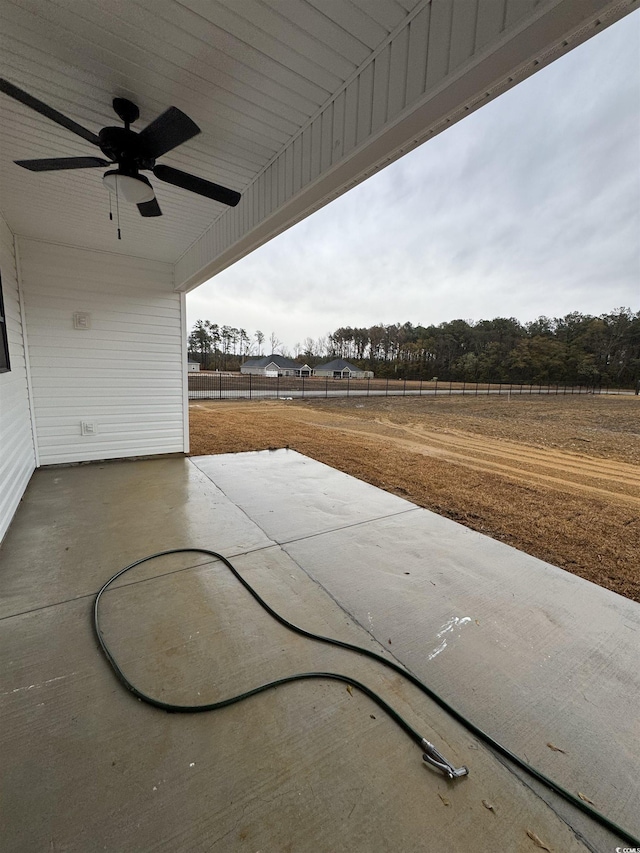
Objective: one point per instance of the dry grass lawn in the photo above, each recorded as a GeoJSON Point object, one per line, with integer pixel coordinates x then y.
{"type": "Point", "coordinates": [557, 477]}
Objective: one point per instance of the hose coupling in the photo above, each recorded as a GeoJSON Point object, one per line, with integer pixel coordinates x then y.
{"type": "Point", "coordinates": [435, 758]}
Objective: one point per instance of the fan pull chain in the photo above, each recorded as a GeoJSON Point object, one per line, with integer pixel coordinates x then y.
{"type": "Point", "coordinates": [110, 213]}
{"type": "Point", "coordinates": [118, 210]}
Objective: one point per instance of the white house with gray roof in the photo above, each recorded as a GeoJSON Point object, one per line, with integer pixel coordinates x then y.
{"type": "Point", "coordinates": [341, 369]}
{"type": "Point", "coordinates": [274, 365]}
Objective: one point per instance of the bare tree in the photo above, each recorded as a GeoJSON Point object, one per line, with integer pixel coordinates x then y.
{"type": "Point", "coordinates": [309, 348]}
{"type": "Point", "coordinates": [321, 346]}
{"type": "Point", "coordinates": [259, 336]}
{"type": "Point", "coordinates": [274, 343]}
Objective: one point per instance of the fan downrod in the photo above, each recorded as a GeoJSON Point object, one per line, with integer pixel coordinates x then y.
{"type": "Point", "coordinates": [126, 110]}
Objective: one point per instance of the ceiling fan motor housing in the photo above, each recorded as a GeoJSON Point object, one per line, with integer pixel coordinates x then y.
{"type": "Point", "coordinates": [126, 110]}
{"type": "Point", "coordinates": [124, 147]}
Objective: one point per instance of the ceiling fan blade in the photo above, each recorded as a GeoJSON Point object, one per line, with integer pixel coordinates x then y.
{"type": "Point", "coordinates": [150, 208]}
{"type": "Point", "coordinates": [197, 185]}
{"type": "Point", "coordinates": [53, 164]}
{"type": "Point", "coordinates": [169, 130]}
{"type": "Point", "coordinates": [47, 111]}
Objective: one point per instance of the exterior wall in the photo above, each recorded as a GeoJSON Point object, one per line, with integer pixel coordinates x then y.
{"type": "Point", "coordinates": [125, 374]}
{"type": "Point", "coordinates": [17, 452]}
{"type": "Point", "coordinates": [352, 374]}
{"type": "Point", "coordinates": [265, 371]}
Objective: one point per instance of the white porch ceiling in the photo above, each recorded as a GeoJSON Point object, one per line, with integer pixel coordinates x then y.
{"type": "Point", "coordinates": [298, 100]}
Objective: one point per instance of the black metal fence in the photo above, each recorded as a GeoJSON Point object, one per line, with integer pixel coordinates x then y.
{"type": "Point", "coordinates": [234, 386]}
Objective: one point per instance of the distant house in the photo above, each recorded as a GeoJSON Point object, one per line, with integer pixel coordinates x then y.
{"type": "Point", "coordinates": [193, 366]}
{"type": "Point", "coordinates": [274, 365]}
{"type": "Point", "coordinates": [341, 369]}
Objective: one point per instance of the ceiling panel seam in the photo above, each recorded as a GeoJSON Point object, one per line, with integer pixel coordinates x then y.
{"type": "Point", "coordinates": [122, 257]}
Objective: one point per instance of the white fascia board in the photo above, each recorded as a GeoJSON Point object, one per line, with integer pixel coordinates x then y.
{"type": "Point", "coordinates": [185, 371]}
{"type": "Point", "coordinates": [287, 190]}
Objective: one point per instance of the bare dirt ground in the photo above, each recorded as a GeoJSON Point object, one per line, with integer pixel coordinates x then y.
{"type": "Point", "coordinates": [557, 477]}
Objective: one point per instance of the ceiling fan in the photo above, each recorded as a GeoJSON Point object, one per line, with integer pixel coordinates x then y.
{"type": "Point", "coordinates": [129, 151]}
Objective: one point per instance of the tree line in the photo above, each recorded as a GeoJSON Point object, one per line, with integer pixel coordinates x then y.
{"type": "Point", "coordinates": [225, 347]}
{"type": "Point", "coordinates": [572, 350]}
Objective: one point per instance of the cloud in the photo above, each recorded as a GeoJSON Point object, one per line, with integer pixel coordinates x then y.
{"type": "Point", "coordinates": [529, 206]}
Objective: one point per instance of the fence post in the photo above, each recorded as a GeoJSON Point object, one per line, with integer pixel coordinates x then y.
{"type": "Point", "coordinates": [348, 383]}
{"type": "Point", "coordinates": [368, 384]}
{"type": "Point", "coordinates": [435, 390]}
{"type": "Point", "coordinates": [326, 386]}
{"type": "Point", "coordinates": [278, 387]}
{"type": "Point", "coordinates": [477, 383]}
{"type": "Point", "coordinates": [464, 385]}
{"type": "Point", "coordinates": [303, 387]}
{"type": "Point", "coordinates": [220, 386]}
{"type": "Point", "coordinates": [420, 387]}
{"type": "Point", "coordinates": [249, 386]}
{"type": "Point", "coordinates": [404, 388]}
{"type": "Point", "coordinates": [386, 391]}
{"type": "Point", "coordinates": [499, 388]}
{"type": "Point", "coordinates": [450, 384]}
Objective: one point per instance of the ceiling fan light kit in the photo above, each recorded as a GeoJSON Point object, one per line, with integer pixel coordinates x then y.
{"type": "Point", "coordinates": [129, 151]}
{"type": "Point", "coordinates": [135, 190]}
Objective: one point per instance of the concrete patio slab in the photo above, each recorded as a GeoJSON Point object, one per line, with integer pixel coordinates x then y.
{"type": "Point", "coordinates": [310, 766]}
{"type": "Point", "coordinates": [80, 522]}
{"type": "Point", "coordinates": [324, 499]}
{"type": "Point", "coordinates": [304, 767]}
{"type": "Point", "coordinates": [538, 657]}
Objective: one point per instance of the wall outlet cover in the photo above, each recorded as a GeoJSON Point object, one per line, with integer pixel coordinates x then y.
{"type": "Point", "coordinates": [82, 320]}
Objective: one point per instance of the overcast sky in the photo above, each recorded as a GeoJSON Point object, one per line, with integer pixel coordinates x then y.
{"type": "Point", "coordinates": [529, 206]}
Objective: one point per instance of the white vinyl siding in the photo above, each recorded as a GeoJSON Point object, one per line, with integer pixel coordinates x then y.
{"type": "Point", "coordinates": [17, 455]}
{"type": "Point", "coordinates": [124, 374]}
